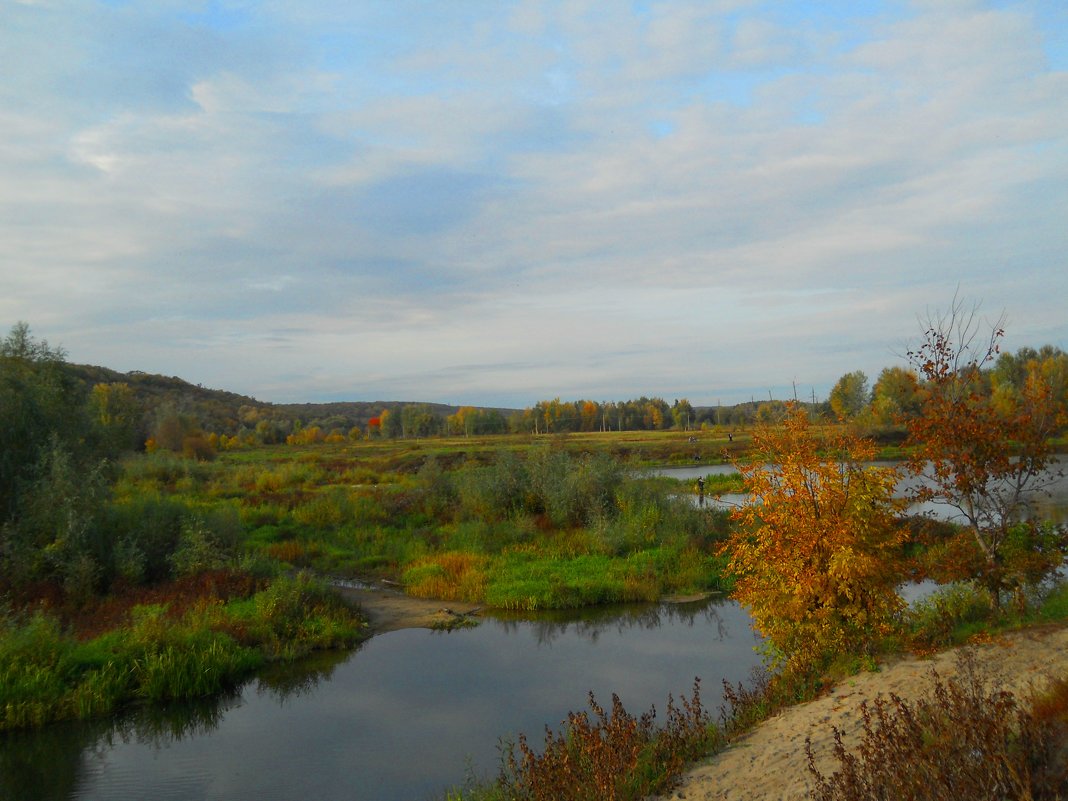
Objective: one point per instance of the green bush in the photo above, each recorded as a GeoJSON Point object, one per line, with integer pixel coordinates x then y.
{"type": "Point", "coordinates": [943, 617]}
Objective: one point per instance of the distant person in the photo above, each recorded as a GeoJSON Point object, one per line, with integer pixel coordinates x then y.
{"type": "Point", "coordinates": [730, 437]}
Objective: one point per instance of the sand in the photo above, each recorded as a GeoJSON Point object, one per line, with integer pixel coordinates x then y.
{"type": "Point", "coordinates": [770, 763]}
{"type": "Point", "coordinates": [388, 609]}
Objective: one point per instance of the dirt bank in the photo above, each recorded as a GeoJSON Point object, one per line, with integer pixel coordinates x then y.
{"type": "Point", "coordinates": [389, 609]}
{"type": "Point", "coordinates": [770, 763]}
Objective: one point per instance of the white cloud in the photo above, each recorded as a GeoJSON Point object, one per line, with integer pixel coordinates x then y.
{"type": "Point", "coordinates": [566, 194]}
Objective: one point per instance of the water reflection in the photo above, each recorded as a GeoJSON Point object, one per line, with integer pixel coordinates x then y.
{"type": "Point", "coordinates": [284, 681]}
{"type": "Point", "coordinates": [51, 764]}
{"type": "Point", "coordinates": [591, 623]}
{"type": "Point", "coordinates": [404, 717]}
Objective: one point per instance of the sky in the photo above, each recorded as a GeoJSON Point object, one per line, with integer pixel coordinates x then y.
{"type": "Point", "coordinates": [495, 203]}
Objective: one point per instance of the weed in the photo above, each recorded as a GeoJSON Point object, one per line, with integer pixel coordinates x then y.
{"type": "Point", "coordinates": [944, 617]}
{"type": "Point", "coordinates": [609, 756]}
{"type": "Point", "coordinates": [963, 739]}
{"type": "Point", "coordinates": [448, 576]}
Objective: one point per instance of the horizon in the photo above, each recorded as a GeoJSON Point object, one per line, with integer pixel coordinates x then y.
{"type": "Point", "coordinates": [497, 205]}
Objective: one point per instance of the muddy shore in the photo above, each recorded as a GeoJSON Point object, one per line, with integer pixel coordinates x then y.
{"type": "Point", "coordinates": [389, 609]}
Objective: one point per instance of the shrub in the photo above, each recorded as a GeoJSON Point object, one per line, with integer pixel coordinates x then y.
{"type": "Point", "coordinates": [149, 528]}
{"type": "Point", "coordinates": [198, 549]}
{"type": "Point", "coordinates": [611, 755]}
{"type": "Point", "coordinates": [935, 620]}
{"type": "Point", "coordinates": [329, 509]}
{"type": "Point", "coordinates": [963, 739]}
{"type": "Point", "coordinates": [294, 616]}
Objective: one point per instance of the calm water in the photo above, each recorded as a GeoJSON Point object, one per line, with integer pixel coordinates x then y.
{"type": "Point", "coordinates": [405, 716]}
{"type": "Point", "coordinates": [1052, 504]}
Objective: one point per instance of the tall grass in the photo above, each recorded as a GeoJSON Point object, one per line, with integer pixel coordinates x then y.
{"type": "Point", "coordinates": [47, 674]}
{"type": "Point", "coordinates": [546, 527]}
{"type": "Point", "coordinates": [609, 755]}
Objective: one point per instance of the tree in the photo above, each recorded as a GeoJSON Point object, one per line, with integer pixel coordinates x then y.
{"type": "Point", "coordinates": [816, 553]}
{"type": "Point", "coordinates": [590, 414]}
{"type": "Point", "coordinates": [849, 397]}
{"type": "Point", "coordinates": [52, 479]}
{"type": "Point", "coordinates": [418, 420]}
{"type": "Point", "coordinates": [38, 402]}
{"type": "Point", "coordinates": [986, 459]}
{"type": "Point", "coordinates": [896, 396]}
{"type": "Point", "coordinates": [1012, 372]}
{"type": "Point", "coordinates": [390, 424]}
{"type": "Point", "coordinates": [116, 413]}
{"type": "Point", "coordinates": [682, 414]}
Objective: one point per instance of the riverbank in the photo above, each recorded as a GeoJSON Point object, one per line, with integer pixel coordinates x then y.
{"type": "Point", "coordinates": [770, 762]}
{"type": "Point", "coordinates": [386, 609]}
{"type": "Point", "coordinates": [389, 609]}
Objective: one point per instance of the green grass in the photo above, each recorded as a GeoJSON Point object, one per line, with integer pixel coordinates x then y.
{"type": "Point", "coordinates": [47, 675]}
{"type": "Point", "coordinates": [561, 521]}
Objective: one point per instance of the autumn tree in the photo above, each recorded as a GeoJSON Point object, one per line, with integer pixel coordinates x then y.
{"type": "Point", "coordinates": [589, 414]}
{"type": "Point", "coordinates": [896, 396]}
{"type": "Point", "coordinates": [461, 422]}
{"type": "Point", "coordinates": [849, 396]}
{"type": "Point", "coordinates": [816, 552]}
{"type": "Point", "coordinates": [982, 456]}
{"type": "Point", "coordinates": [1013, 371]}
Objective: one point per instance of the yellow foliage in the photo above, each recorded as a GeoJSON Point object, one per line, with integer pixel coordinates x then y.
{"type": "Point", "coordinates": [454, 576]}
{"type": "Point", "coordinates": [816, 552]}
{"type": "Point", "coordinates": [306, 436]}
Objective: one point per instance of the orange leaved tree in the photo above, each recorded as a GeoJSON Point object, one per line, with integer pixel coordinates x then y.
{"type": "Point", "coordinates": [986, 455]}
{"type": "Point", "coordinates": [816, 555]}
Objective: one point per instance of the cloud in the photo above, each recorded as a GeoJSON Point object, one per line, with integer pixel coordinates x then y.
{"type": "Point", "coordinates": [596, 200]}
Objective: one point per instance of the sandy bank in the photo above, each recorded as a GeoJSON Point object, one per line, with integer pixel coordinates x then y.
{"type": "Point", "coordinates": [770, 763]}
{"type": "Point", "coordinates": [388, 609]}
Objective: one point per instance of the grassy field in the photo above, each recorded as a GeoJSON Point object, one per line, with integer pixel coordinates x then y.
{"type": "Point", "coordinates": [512, 522]}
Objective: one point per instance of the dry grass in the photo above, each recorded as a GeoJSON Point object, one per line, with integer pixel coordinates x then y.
{"type": "Point", "coordinates": [611, 755]}
{"type": "Point", "coordinates": [964, 739]}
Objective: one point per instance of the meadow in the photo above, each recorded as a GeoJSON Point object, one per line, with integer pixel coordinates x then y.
{"type": "Point", "coordinates": [512, 522]}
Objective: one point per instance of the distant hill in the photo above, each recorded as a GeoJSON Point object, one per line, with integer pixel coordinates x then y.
{"type": "Point", "coordinates": [228, 412]}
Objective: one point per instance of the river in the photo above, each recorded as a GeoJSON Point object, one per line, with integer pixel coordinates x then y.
{"type": "Point", "coordinates": [403, 717]}
{"type": "Point", "coordinates": [1051, 504]}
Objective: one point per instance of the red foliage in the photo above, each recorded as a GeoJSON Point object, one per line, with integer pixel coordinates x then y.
{"type": "Point", "coordinates": [98, 615]}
